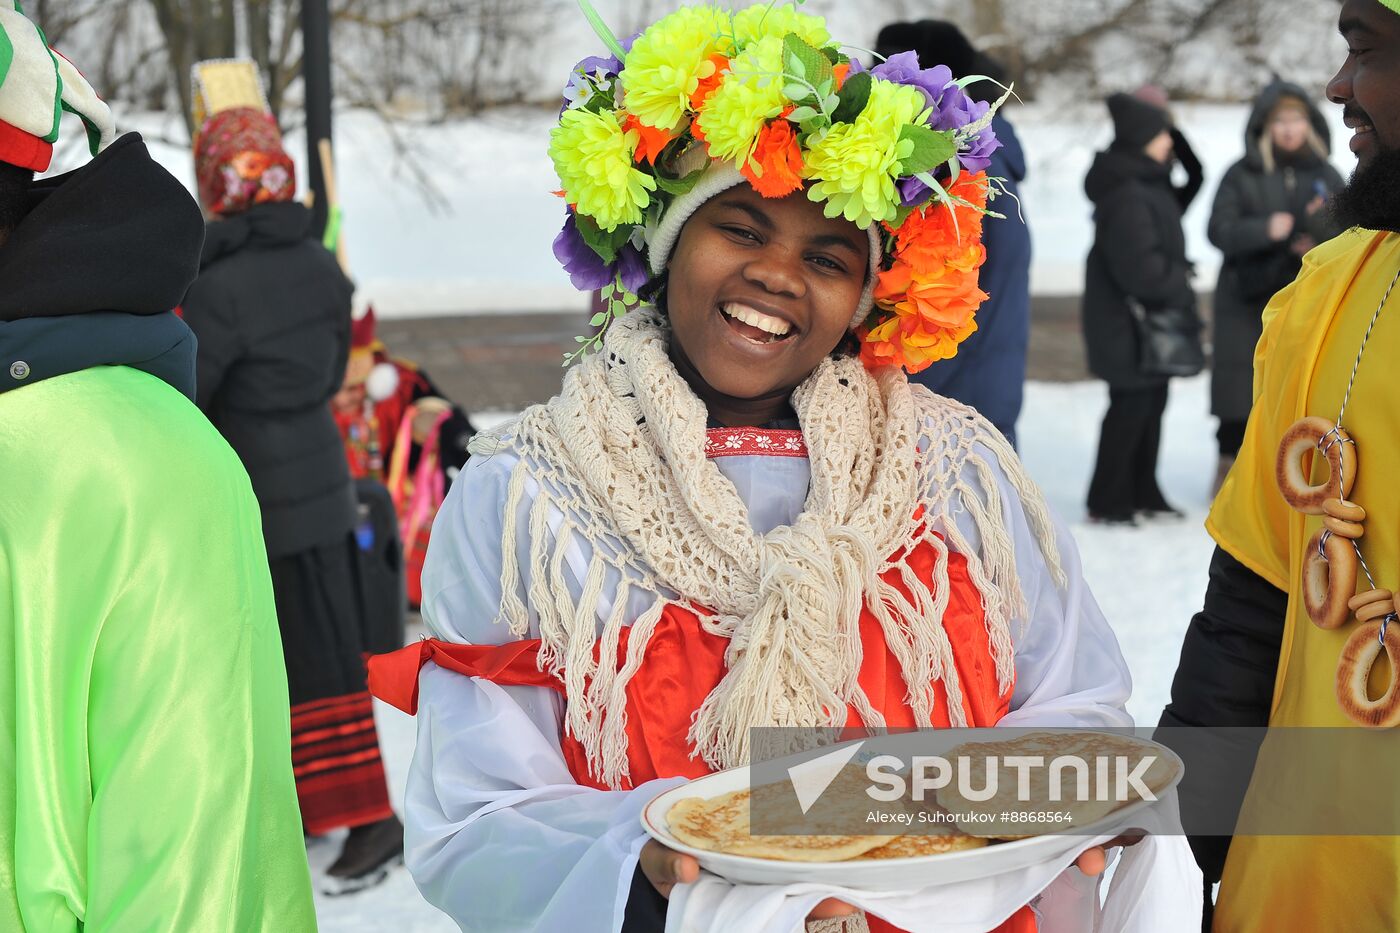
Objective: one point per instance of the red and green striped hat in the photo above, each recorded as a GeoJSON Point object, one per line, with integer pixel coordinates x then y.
{"type": "Point", "coordinates": [36, 85]}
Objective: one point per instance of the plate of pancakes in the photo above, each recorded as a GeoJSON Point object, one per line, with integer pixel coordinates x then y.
{"type": "Point", "coordinates": [709, 818]}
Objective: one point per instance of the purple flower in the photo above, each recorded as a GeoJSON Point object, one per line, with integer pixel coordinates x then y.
{"type": "Point", "coordinates": [978, 154]}
{"type": "Point", "coordinates": [597, 72]}
{"type": "Point", "coordinates": [633, 268]}
{"type": "Point", "coordinates": [912, 192]}
{"type": "Point", "coordinates": [904, 69]}
{"type": "Point", "coordinates": [952, 109]}
{"type": "Point", "coordinates": [955, 109]}
{"type": "Point", "coordinates": [586, 269]}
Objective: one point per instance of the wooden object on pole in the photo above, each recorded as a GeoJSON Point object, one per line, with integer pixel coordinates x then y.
{"type": "Point", "coordinates": [316, 78]}
{"type": "Point", "coordinates": [326, 156]}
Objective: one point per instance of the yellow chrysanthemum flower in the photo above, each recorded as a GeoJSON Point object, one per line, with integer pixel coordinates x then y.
{"type": "Point", "coordinates": [855, 164]}
{"type": "Point", "coordinates": [778, 20]}
{"type": "Point", "coordinates": [736, 112]}
{"type": "Point", "coordinates": [668, 62]}
{"type": "Point", "coordinates": [593, 156]}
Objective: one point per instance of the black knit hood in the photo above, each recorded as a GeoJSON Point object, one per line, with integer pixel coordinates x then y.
{"type": "Point", "coordinates": [90, 275]}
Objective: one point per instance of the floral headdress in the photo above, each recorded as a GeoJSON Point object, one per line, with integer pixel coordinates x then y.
{"type": "Point", "coordinates": [705, 98]}
{"type": "Point", "coordinates": [239, 157]}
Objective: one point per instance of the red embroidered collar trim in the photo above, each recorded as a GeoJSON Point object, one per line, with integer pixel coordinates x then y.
{"type": "Point", "coordinates": [754, 442]}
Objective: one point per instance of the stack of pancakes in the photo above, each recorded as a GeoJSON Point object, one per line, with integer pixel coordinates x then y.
{"type": "Point", "coordinates": [721, 824]}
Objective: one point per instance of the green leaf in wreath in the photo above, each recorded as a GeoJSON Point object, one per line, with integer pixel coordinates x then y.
{"type": "Point", "coordinates": [794, 66]}
{"type": "Point", "coordinates": [606, 243]}
{"type": "Point", "coordinates": [931, 149]}
{"type": "Point", "coordinates": [855, 94]}
{"type": "Point", "coordinates": [678, 186]}
{"type": "Point", "coordinates": [804, 62]}
{"type": "Point", "coordinates": [797, 92]}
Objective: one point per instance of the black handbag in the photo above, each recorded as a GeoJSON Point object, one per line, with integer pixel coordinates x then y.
{"type": "Point", "coordinates": [1169, 340]}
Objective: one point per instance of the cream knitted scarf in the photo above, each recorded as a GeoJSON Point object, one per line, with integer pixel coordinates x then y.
{"type": "Point", "coordinates": [620, 454]}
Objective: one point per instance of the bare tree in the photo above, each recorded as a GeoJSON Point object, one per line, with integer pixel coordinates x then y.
{"type": "Point", "coordinates": [441, 59]}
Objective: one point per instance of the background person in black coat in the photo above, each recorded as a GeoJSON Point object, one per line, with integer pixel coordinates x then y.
{"type": "Point", "coordinates": [1269, 211]}
{"type": "Point", "coordinates": [989, 371]}
{"type": "Point", "coordinates": [1139, 255]}
{"type": "Point", "coordinates": [271, 309]}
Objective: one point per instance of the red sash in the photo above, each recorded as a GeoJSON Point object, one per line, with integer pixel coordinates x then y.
{"type": "Point", "coordinates": [683, 663]}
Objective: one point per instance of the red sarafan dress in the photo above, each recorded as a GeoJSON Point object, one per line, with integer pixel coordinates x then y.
{"type": "Point", "coordinates": [683, 662]}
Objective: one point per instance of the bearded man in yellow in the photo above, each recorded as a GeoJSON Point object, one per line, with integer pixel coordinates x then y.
{"type": "Point", "coordinates": [1287, 636]}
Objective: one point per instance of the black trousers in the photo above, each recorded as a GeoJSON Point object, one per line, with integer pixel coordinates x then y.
{"type": "Point", "coordinates": [1230, 436]}
{"type": "Point", "coordinates": [1125, 473]}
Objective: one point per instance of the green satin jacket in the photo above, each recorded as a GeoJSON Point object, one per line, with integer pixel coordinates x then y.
{"type": "Point", "coordinates": [145, 766]}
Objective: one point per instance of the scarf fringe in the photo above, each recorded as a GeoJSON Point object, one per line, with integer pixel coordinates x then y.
{"type": "Point", "coordinates": [617, 461]}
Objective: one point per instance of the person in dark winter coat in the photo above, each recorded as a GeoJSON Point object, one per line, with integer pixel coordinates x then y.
{"type": "Point", "coordinates": [989, 371]}
{"type": "Point", "coordinates": [271, 309]}
{"type": "Point", "coordinates": [1269, 211]}
{"type": "Point", "coordinates": [1182, 154]}
{"type": "Point", "coordinates": [1138, 258]}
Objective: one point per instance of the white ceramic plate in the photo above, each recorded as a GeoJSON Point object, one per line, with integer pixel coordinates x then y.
{"type": "Point", "coordinates": [878, 874]}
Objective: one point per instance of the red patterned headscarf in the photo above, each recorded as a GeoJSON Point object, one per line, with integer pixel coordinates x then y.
{"type": "Point", "coordinates": [239, 161]}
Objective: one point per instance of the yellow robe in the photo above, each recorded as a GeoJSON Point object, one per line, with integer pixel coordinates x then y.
{"type": "Point", "coordinates": [1312, 331]}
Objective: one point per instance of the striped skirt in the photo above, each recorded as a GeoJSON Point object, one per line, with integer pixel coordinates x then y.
{"type": "Point", "coordinates": [335, 746]}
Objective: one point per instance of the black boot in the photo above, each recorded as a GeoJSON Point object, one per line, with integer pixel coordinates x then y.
{"type": "Point", "coordinates": [369, 852]}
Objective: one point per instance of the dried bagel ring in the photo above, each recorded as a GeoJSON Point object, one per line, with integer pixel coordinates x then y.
{"type": "Point", "coordinates": [1377, 610]}
{"type": "Point", "coordinates": [1320, 436]}
{"type": "Point", "coordinates": [1343, 528]}
{"type": "Point", "coordinates": [1354, 670]}
{"type": "Point", "coordinates": [1361, 600]}
{"type": "Point", "coordinates": [1329, 579]}
{"type": "Point", "coordinates": [1346, 511]}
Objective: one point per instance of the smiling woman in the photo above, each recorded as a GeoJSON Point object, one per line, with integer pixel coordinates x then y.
{"type": "Point", "coordinates": [758, 292]}
{"type": "Point", "coordinates": [739, 513]}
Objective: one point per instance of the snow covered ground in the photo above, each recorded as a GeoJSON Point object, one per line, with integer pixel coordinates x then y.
{"type": "Point", "coordinates": [1149, 582]}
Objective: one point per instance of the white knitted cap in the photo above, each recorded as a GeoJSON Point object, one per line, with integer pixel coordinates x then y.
{"type": "Point", "coordinates": [719, 178]}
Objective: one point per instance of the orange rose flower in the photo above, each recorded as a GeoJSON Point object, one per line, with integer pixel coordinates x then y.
{"type": "Point", "coordinates": [840, 72]}
{"type": "Point", "coordinates": [933, 233]}
{"type": "Point", "coordinates": [775, 167]}
{"type": "Point", "coordinates": [932, 310]}
{"type": "Point", "coordinates": [707, 86]}
{"type": "Point", "coordinates": [650, 140]}
{"type": "Point", "coordinates": [929, 297]}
